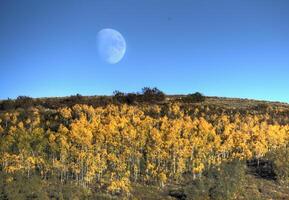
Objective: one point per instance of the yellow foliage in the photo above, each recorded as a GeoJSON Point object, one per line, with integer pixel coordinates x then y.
{"type": "Point", "coordinates": [119, 186]}
{"type": "Point", "coordinates": [117, 144]}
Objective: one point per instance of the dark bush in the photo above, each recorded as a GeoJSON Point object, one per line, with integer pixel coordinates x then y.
{"type": "Point", "coordinates": [178, 193]}
{"type": "Point", "coordinates": [119, 97]}
{"type": "Point", "coordinates": [262, 107]}
{"type": "Point", "coordinates": [152, 94]}
{"type": "Point", "coordinates": [78, 98]}
{"type": "Point", "coordinates": [100, 101]}
{"type": "Point", "coordinates": [263, 168]}
{"type": "Point", "coordinates": [194, 98]}
{"type": "Point", "coordinates": [7, 104]}
{"type": "Point", "coordinates": [131, 98]}
{"type": "Point", "coordinates": [24, 102]}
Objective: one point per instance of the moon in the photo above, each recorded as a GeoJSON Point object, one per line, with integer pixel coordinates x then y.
{"type": "Point", "coordinates": [111, 45]}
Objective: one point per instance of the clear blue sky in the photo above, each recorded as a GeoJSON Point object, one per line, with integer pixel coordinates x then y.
{"type": "Point", "coordinates": [233, 48]}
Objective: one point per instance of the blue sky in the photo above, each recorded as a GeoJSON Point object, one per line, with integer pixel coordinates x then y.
{"type": "Point", "coordinates": [232, 48]}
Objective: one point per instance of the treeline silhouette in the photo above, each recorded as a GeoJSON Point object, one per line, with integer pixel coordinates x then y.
{"type": "Point", "coordinates": [147, 95]}
{"type": "Point", "coordinates": [150, 95]}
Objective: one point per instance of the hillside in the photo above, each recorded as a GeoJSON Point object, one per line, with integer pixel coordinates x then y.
{"type": "Point", "coordinates": [54, 102]}
{"type": "Point", "coordinates": [143, 146]}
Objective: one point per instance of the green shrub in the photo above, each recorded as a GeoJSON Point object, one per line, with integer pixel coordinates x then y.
{"type": "Point", "coordinates": [218, 183]}
{"type": "Point", "coordinates": [280, 159]}
{"type": "Point", "coordinates": [18, 187]}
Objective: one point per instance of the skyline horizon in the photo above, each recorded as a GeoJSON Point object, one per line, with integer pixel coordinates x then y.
{"type": "Point", "coordinates": [227, 48]}
{"type": "Point", "coordinates": [138, 92]}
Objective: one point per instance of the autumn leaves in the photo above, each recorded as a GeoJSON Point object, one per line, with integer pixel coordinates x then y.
{"type": "Point", "coordinates": [111, 147]}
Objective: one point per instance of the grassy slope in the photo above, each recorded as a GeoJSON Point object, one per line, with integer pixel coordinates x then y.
{"type": "Point", "coordinates": [256, 189]}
